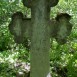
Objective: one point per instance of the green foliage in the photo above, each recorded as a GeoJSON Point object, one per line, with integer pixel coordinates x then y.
{"type": "Point", "coordinates": [65, 55]}
{"type": "Point", "coordinates": [4, 38]}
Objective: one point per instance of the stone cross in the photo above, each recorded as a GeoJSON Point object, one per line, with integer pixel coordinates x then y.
{"type": "Point", "coordinates": [39, 29]}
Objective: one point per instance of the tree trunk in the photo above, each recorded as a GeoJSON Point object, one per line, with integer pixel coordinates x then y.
{"type": "Point", "coordinates": [40, 45]}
